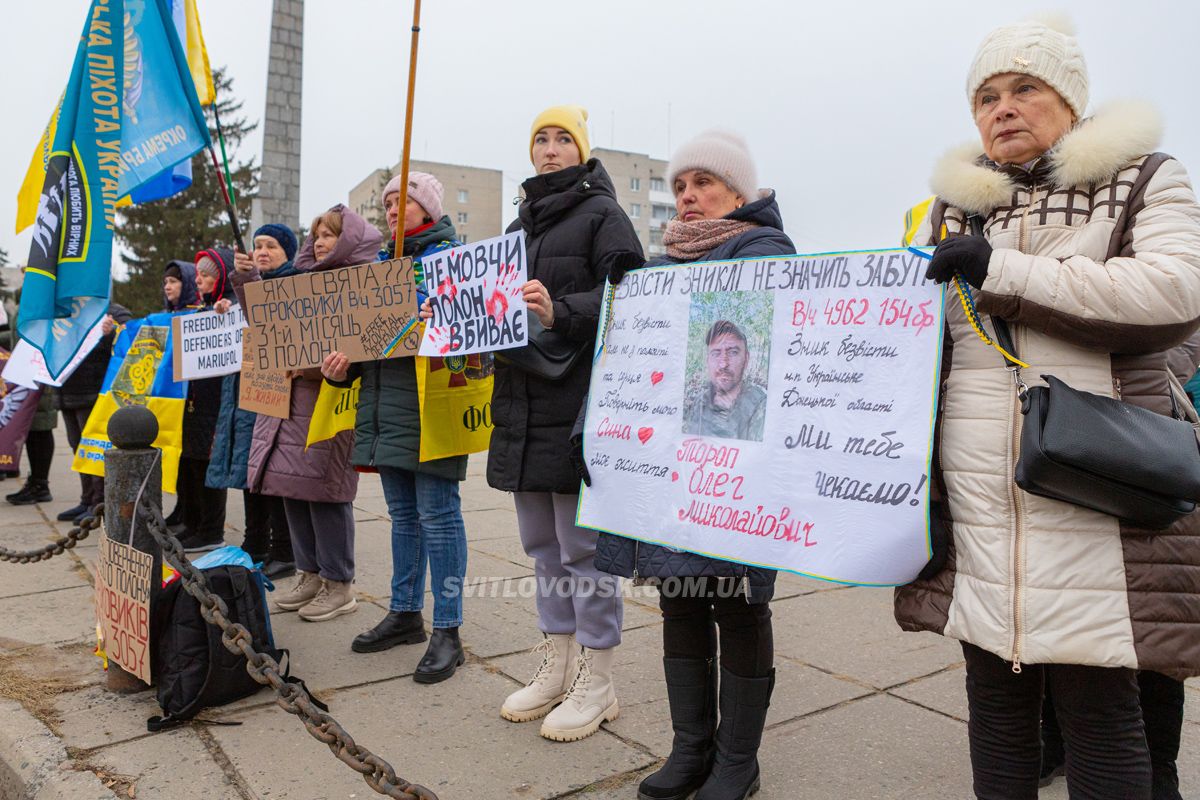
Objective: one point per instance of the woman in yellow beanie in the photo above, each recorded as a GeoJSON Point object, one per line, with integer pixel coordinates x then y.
{"type": "Point", "coordinates": [575, 231]}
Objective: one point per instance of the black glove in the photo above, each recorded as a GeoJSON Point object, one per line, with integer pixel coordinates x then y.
{"type": "Point", "coordinates": [965, 255]}
{"type": "Point", "coordinates": [622, 263]}
{"type": "Point", "coordinates": [578, 461]}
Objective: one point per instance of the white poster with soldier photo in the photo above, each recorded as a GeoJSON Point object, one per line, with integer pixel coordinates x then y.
{"type": "Point", "coordinates": [773, 412]}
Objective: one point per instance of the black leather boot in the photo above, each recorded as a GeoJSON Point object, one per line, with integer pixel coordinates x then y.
{"type": "Point", "coordinates": [443, 656]}
{"type": "Point", "coordinates": [278, 570]}
{"type": "Point", "coordinates": [398, 627]}
{"type": "Point", "coordinates": [73, 513]}
{"type": "Point", "coordinates": [744, 703]}
{"type": "Point", "coordinates": [692, 697]}
{"type": "Point", "coordinates": [1162, 710]}
{"type": "Point", "coordinates": [34, 491]}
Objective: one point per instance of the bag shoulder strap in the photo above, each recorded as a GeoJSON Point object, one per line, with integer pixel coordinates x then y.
{"type": "Point", "coordinates": [1121, 239]}
{"type": "Point", "coordinates": [1134, 203]}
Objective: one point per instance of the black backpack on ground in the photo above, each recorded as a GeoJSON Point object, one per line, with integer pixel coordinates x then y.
{"type": "Point", "coordinates": [190, 666]}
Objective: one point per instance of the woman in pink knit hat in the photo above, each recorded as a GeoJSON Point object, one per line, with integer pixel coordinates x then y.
{"type": "Point", "coordinates": [422, 496]}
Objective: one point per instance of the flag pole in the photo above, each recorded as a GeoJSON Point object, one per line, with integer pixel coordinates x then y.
{"type": "Point", "coordinates": [408, 115]}
{"type": "Point", "coordinates": [225, 180]}
{"type": "Point", "coordinates": [229, 209]}
{"type": "Point", "coordinates": [224, 156]}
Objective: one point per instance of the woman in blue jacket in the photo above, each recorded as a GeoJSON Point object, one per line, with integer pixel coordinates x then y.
{"type": "Point", "coordinates": [722, 215]}
{"type": "Point", "coordinates": [267, 538]}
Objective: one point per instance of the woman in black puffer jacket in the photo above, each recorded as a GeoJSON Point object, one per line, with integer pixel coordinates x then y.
{"type": "Point", "coordinates": [722, 215]}
{"type": "Point", "coordinates": [575, 232]}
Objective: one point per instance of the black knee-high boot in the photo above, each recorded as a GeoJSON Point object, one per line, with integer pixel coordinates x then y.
{"type": "Point", "coordinates": [744, 703]}
{"type": "Point", "coordinates": [1162, 712]}
{"type": "Point", "coordinates": [692, 697]}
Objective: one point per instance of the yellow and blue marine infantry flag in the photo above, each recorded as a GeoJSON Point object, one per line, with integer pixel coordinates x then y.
{"type": "Point", "coordinates": [129, 113]}
{"type": "Point", "coordinates": [139, 374]}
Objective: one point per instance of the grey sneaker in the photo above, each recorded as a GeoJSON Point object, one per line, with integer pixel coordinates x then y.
{"type": "Point", "coordinates": [306, 588]}
{"type": "Point", "coordinates": [333, 599]}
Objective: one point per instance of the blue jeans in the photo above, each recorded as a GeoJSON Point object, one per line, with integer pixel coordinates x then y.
{"type": "Point", "coordinates": [427, 529]}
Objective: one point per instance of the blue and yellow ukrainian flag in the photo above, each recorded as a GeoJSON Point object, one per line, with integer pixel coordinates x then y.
{"type": "Point", "coordinates": [129, 113]}
{"type": "Point", "coordinates": [139, 373]}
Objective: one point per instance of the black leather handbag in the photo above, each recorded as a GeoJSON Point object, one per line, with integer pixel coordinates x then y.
{"type": "Point", "coordinates": [1100, 453]}
{"type": "Point", "coordinates": [549, 355]}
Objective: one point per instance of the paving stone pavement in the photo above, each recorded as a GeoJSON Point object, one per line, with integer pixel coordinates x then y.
{"type": "Point", "coordinates": [861, 710]}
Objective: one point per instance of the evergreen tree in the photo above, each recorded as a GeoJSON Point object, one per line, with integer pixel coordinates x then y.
{"type": "Point", "coordinates": [178, 227]}
{"type": "Point", "coordinates": [377, 215]}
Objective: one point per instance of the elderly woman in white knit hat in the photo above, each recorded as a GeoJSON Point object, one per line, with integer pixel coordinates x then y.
{"type": "Point", "coordinates": [721, 215]}
{"type": "Point", "coordinates": [1086, 243]}
{"type": "Point", "coordinates": [422, 496]}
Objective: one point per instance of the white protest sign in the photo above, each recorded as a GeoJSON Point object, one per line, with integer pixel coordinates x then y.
{"type": "Point", "coordinates": [775, 412]}
{"type": "Point", "coordinates": [27, 368]}
{"type": "Point", "coordinates": [207, 344]}
{"type": "Point", "coordinates": [476, 297]}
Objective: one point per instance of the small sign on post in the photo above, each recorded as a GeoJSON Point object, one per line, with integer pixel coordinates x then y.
{"type": "Point", "coordinates": [123, 576]}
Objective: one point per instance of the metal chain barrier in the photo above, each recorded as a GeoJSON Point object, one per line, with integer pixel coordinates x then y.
{"type": "Point", "coordinates": [59, 545]}
{"type": "Point", "coordinates": [291, 697]}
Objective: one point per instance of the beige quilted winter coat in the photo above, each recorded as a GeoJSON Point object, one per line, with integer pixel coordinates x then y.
{"type": "Point", "coordinates": [1096, 266]}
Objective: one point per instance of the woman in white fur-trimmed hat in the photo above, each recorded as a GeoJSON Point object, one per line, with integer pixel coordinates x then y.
{"type": "Point", "coordinates": [1090, 251]}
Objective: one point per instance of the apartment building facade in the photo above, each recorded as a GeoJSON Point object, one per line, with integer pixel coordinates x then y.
{"type": "Point", "coordinates": [472, 197]}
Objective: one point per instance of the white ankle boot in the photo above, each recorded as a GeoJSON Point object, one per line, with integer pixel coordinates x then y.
{"type": "Point", "coordinates": [550, 683]}
{"type": "Point", "coordinates": [590, 701]}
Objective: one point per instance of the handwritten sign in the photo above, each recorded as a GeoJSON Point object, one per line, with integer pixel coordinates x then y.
{"type": "Point", "coordinates": [773, 412]}
{"type": "Point", "coordinates": [207, 344]}
{"type": "Point", "coordinates": [26, 367]}
{"type": "Point", "coordinates": [476, 297]}
{"type": "Point", "coordinates": [123, 605]}
{"type": "Point", "coordinates": [263, 391]}
{"type": "Point", "coordinates": [368, 312]}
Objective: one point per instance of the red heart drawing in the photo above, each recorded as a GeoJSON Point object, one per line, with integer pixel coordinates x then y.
{"type": "Point", "coordinates": [674, 477]}
{"type": "Point", "coordinates": [655, 377]}
{"type": "Point", "coordinates": [645, 433]}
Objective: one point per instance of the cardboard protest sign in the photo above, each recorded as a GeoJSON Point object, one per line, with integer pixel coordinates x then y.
{"type": "Point", "coordinates": [18, 404]}
{"type": "Point", "coordinates": [123, 605]}
{"type": "Point", "coordinates": [26, 366]}
{"type": "Point", "coordinates": [367, 312]}
{"type": "Point", "coordinates": [773, 412]}
{"type": "Point", "coordinates": [263, 391]}
{"type": "Point", "coordinates": [476, 297]}
{"type": "Point", "coordinates": [208, 344]}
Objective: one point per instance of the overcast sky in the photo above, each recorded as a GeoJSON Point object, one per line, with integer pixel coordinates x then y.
{"type": "Point", "coordinates": [846, 105]}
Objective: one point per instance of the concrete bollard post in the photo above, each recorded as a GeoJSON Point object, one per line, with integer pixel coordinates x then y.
{"type": "Point", "coordinates": [132, 430]}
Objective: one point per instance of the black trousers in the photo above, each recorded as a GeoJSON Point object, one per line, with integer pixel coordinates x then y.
{"type": "Point", "coordinates": [1162, 700]}
{"type": "Point", "coordinates": [692, 625]}
{"type": "Point", "coordinates": [266, 527]}
{"type": "Point", "coordinates": [1097, 709]}
{"type": "Point", "coordinates": [91, 487]}
{"type": "Point", "coordinates": [202, 508]}
{"type": "Point", "coordinates": [40, 447]}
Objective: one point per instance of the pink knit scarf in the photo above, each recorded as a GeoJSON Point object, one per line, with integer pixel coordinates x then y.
{"type": "Point", "coordinates": [691, 241]}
